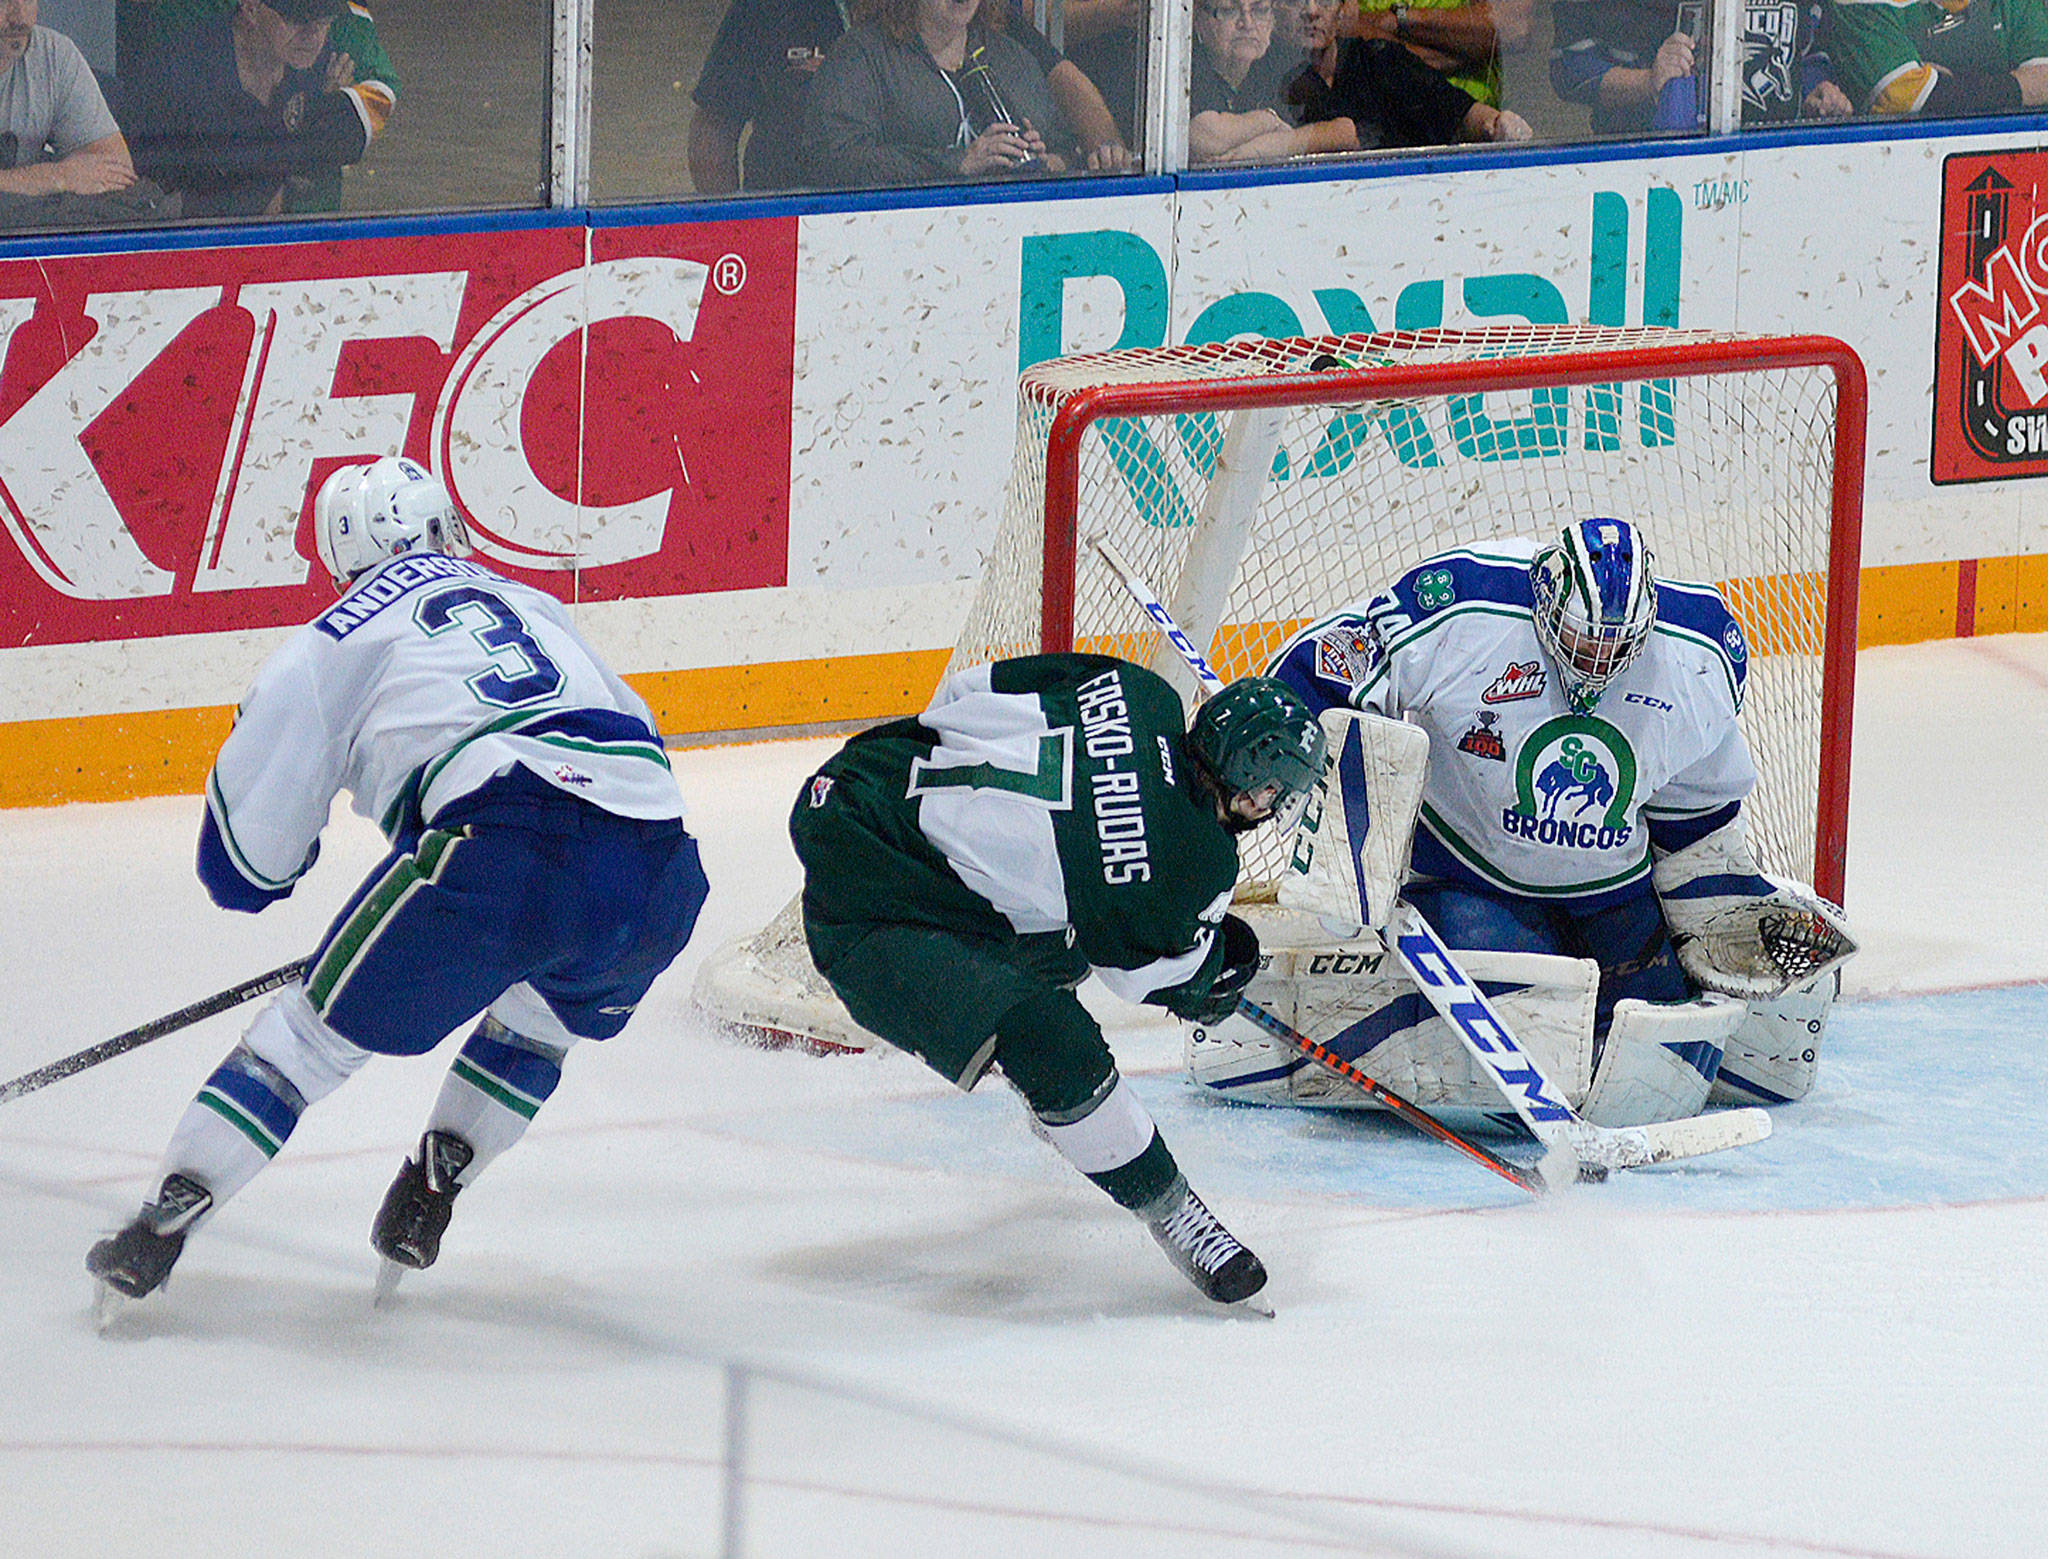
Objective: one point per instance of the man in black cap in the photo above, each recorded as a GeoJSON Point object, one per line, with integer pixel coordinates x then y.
{"type": "Point", "coordinates": [236, 108]}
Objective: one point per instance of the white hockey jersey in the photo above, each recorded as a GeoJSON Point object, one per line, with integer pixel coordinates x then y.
{"type": "Point", "coordinates": [429, 676]}
{"type": "Point", "coordinates": [1522, 795]}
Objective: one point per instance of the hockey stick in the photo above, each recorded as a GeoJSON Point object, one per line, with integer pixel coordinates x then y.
{"type": "Point", "coordinates": [1415, 1116]}
{"type": "Point", "coordinates": [184, 1017]}
{"type": "Point", "coordinates": [1569, 1140]}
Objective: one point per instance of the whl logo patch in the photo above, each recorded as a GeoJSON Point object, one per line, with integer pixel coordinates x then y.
{"type": "Point", "coordinates": [1991, 320]}
{"type": "Point", "coordinates": [1522, 679]}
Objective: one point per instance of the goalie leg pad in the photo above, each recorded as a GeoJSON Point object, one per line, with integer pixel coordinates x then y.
{"type": "Point", "coordinates": [1239, 1060]}
{"type": "Point", "coordinates": [766, 989]}
{"type": "Point", "coordinates": [1356, 999]}
{"type": "Point", "coordinates": [1775, 1055]}
{"type": "Point", "coordinates": [1661, 1060]}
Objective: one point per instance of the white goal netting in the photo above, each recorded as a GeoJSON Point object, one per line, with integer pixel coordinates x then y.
{"type": "Point", "coordinates": [1252, 521]}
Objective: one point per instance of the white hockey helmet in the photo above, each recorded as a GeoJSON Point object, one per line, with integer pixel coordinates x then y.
{"type": "Point", "coordinates": [1596, 605]}
{"type": "Point", "coordinates": [365, 514]}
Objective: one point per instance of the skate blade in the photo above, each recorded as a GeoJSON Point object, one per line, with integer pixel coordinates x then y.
{"type": "Point", "coordinates": [389, 1274]}
{"type": "Point", "coordinates": [108, 1304]}
{"type": "Point", "coordinates": [1255, 1304]}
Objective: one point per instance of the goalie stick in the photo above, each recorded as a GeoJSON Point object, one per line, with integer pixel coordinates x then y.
{"type": "Point", "coordinates": [184, 1017]}
{"type": "Point", "coordinates": [1570, 1142]}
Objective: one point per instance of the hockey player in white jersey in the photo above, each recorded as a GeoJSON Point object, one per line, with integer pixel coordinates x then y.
{"type": "Point", "coordinates": [539, 873]}
{"type": "Point", "coordinates": [1583, 800]}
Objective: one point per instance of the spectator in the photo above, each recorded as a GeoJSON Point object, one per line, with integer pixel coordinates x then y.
{"type": "Point", "coordinates": [759, 73]}
{"type": "Point", "coordinates": [929, 91]}
{"type": "Point", "coordinates": [254, 109]}
{"type": "Point", "coordinates": [1237, 85]}
{"type": "Point", "coordinates": [57, 136]}
{"type": "Point", "coordinates": [1105, 39]}
{"type": "Point", "coordinates": [1920, 57]}
{"type": "Point", "coordinates": [1387, 95]}
{"type": "Point", "coordinates": [1633, 63]}
{"type": "Point", "coordinates": [1101, 141]}
{"type": "Point", "coordinates": [1461, 40]}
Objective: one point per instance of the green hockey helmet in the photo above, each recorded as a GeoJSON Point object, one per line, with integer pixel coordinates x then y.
{"type": "Point", "coordinates": [1259, 746]}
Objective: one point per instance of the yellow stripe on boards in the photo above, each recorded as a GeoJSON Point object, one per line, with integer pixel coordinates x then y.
{"type": "Point", "coordinates": [168, 752]}
{"type": "Point", "coordinates": [164, 752]}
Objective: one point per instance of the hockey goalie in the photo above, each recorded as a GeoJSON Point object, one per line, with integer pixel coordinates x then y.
{"type": "Point", "coordinates": [1537, 747]}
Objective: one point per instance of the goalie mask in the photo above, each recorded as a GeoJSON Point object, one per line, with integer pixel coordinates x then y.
{"type": "Point", "coordinates": [1260, 749]}
{"type": "Point", "coordinates": [1596, 605]}
{"type": "Point", "coordinates": [365, 514]}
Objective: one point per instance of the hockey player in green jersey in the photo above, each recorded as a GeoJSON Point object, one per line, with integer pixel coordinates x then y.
{"type": "Point", "coordinates": [1046, 818]}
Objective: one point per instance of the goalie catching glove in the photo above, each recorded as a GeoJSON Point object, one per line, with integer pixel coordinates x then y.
{"type": "Point", "coordinates": [1740, 932]}
{"type": "Point", "coordinates": [1240, 964]}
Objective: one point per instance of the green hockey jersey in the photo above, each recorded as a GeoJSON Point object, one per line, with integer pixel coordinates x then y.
{"type": "Point", "coordinates": [1050, 797]}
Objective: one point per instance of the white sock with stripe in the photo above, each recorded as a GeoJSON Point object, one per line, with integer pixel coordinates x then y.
{"type": "Point", "coordinates": [1115, 1130]}
{"type": "Point", "coordinates": [247, 1109]}
{"type": "Point", "coordinates": [494, 1089]}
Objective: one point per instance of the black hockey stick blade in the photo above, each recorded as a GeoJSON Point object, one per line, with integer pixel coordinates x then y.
{"type": "Point", "coordinates": [184, 1017]}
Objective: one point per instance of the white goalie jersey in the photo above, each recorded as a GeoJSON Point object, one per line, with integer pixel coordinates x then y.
{"type": "Point", "coordinates": [429, 676]}
{"type": "Point", "coordinates": [1523, 795]}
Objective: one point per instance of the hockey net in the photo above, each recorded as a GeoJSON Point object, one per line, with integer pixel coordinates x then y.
{"type": "Point", "coordinates": [1258, 485]}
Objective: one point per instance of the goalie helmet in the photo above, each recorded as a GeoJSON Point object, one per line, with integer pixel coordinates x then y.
{"type": "Point", "coordinates": [365, 514]}
{"type": "Point", "coordinates": [1596, 605]}
{"type": "Point", "coordinates": [1260, 748]}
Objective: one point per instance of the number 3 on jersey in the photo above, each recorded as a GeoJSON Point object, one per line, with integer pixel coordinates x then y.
{"type": "Point", "coordinates": [520, 672]}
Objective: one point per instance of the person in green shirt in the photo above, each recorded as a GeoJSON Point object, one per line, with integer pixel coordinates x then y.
{"type": "Point", "coordinates": [1942, 59]}
{"type": "Point", "coordinates": [1046, 818]}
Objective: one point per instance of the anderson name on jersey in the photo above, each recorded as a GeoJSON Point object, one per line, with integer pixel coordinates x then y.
{"type": "Point", "coordinates": [427, 678]}
{"type": "Point", "coordinates": [1522, 795]}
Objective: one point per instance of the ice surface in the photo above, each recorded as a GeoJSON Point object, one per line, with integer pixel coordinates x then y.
{"type": "Point", "coordinates": [940, 1341]}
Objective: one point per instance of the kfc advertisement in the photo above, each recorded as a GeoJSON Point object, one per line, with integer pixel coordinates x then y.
{"type": "Point", "coordinates": [610, 407]}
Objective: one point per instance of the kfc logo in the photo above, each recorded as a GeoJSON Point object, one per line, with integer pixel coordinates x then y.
{"type": "Point", "coordinates": [165, 418]}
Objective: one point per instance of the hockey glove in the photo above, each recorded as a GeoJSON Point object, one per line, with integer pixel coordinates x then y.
{"type": "Point", "coordinates": [1240, 964]}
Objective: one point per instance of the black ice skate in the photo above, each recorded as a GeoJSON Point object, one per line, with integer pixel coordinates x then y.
{"type": "Point", "coordinates": [138, 1259]}
{"type": "Point", "coordinates": [416, 1209]}
{"type": "Point", "coordinates": [1202, 1248]}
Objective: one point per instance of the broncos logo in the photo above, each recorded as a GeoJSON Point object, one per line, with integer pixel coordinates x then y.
{"type": "Point", "coordinates": [1577, 778]}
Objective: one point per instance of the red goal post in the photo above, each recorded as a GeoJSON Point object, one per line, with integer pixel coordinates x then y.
{"type": "Point", "coordinates": [1261, 484]}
